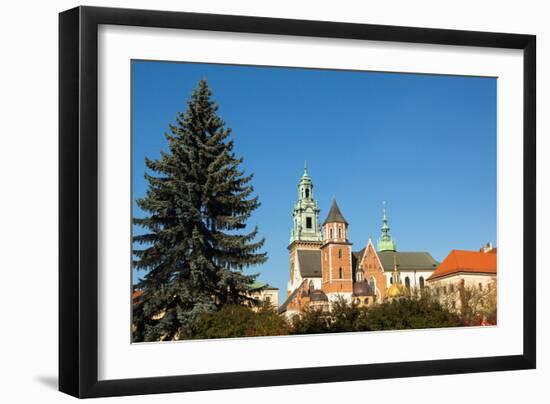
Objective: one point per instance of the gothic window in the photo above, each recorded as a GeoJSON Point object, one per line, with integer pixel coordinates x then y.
{"type": "Point", "coordinates": [421, 281]}
{"type": "Point", "coordinates": [308, 223]}
{"type": "Point", "coordinates": [340, 273]}
{"type": "Point", "coordinates": [407, 282]}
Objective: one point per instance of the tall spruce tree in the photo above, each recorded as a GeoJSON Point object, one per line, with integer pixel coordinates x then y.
{"type": "Point", "coordinates": [195, 245]}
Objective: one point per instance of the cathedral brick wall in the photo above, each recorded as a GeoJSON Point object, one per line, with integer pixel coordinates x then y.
{"type": "Point", "coordinates": [336, 256]}
{"type": "Point", "coordinates": [372, 269]}
{"type": "Point", "coordinates": [299, 302]}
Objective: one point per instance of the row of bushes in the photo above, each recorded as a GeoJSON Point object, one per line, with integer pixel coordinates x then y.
{"type": "Point", "coordinates": [416, 311]}
{"type": "Point", "coordinates": [410, 313]}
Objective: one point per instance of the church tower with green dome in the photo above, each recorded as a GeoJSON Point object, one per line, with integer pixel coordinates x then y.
{"type": "Point", "coordinates": [386, 243]}
{"type": "Point", "coordinates": [305, 238]}
{"type": "Point", "coordinates": [305, 215]}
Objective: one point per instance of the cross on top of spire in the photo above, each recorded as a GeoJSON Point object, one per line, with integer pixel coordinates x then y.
{"type": "Point", "coordinates": [385, 243]}
{"type": "Point", "coordinates": [306, 174]}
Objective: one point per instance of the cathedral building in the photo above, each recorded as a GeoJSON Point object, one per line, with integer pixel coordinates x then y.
{"type": "Point", "coordinates": [324, 268]}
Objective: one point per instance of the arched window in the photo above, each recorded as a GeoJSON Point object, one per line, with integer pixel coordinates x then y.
{"type": "Point", "coordinates": [307, 193]}
{"type": "Point", "coordinates": [391, 281]}
{"type": "Point", "coordinates": [421, 281]}
{"type": "Point", "coordinates": [339, 232]}
{"type": "Point", "coordinates": [407, 282]}
{"type": "Point", "coordinates": [330, 232]}
{"type": "Point", "coordinates": [340, 273]}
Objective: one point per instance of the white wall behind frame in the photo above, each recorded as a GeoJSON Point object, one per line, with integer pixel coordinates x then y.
{"type": "Point", "coordinates": [28, 78]}
{"type": "Point", "coordinates": [118, 359]}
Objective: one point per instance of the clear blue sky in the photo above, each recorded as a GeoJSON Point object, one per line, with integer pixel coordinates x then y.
{"type": "Point", "coordinates": [425, 144]}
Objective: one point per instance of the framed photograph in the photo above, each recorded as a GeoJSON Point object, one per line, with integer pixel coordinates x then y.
{"type": "Point", "coordinates": [251, 201]}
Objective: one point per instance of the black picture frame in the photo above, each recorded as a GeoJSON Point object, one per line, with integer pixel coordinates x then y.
{"type": "Point", "coordinates": [78, 201]}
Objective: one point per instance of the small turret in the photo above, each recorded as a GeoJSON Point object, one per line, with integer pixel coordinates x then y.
{"type": "Point", "coordinates": [335, 226]}
{"type": "Point", "coordinates": [396, 289]}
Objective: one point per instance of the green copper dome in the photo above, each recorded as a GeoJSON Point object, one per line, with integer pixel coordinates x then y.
{"type": "Point", "coordinates": [305, 215]}
{"type": "Point", "coordinates": [386, 243]}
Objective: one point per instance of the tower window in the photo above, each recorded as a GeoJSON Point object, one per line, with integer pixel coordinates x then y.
{"type": "Point", "coordinates": [340, 273]}
{"type": "Point", "coordinates": [307, 193]}
{"type": "Point", "coordinates": [340, 253]}
{"type": "Point", "coordinates": [330, 232]}
{"type": "Point", "coordinates": [308, 223]}
{"type": "Point", "coordinates": [339, 232]}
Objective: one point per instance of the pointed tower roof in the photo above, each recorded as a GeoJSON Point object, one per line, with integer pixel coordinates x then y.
{"type": "Point", "coordinates": [334, 215]}
{"type": "Point", "coordinates": [385, 243]}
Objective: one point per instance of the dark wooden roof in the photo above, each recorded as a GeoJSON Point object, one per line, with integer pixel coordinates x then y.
{"type": "Point", "coordinates": [407, 260]}
{"type": "Point", "coordinates": [310, 263]}
{"type": "Point", "coordinates": [334, 215]}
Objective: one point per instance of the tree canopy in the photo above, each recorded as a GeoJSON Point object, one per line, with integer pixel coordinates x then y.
{"type": "Point", "coordinates": [195, 242]}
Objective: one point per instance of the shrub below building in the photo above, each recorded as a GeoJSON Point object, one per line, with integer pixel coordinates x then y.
{"type": "Point", "coordinates": [415, 312]}
{"type": "Point", "coordinates": [240, 321]}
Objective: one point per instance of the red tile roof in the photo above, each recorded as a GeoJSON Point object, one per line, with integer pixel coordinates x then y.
{"type": "Point", "coordinates": [467, 261]}
{"type": "Point", "coordinates": [136, 294]}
